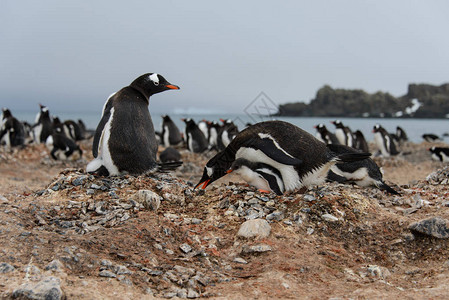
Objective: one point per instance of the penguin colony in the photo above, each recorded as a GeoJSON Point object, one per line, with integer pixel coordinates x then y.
{"type": "Point", "coordinates": [273, 156]}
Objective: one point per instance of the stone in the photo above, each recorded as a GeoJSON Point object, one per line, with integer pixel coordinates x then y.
{"type": "Point", "coordinates": [260, 248]}
{"type": "Point", "coordinates": [196, 221]}
{"type": "Point", "coordinates": [257, 228]}
{"type": "Point", "coordinates": [276, 216]}
{"type": "Point", "coordinates": [240, 260]}
{"type": "Point", "coordinates": [106, 273]}
{"type": "Point", "coordinates": [122, 270]}
{"type": "Point", "coordinates": [6, 268]}
{"type": "Point", "coordinates": [3, 199]}
{"type": "Point", "coordinates": [49, 288]}
{"type": "Point", "coordinates": [185, 248]}
{"type": "Point", "coordinates": [148, 199]}
{"type": "Point", "coordinates": [55, 265]}
{"type": "Point", "coordinates": [329, 218]}
{"type": "Point", "coordinates": [436, 227]}
{"type": "Point", "coordinates": [191, 294]}
{"type": "Point", "coordinates": [309, 198]}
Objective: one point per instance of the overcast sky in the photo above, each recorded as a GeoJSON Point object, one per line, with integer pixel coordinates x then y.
{"type": "Point", "coordinates": [71, 55]}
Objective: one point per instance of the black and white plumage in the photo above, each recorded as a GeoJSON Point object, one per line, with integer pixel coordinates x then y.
{"type": "Point", "coordinates": [431, 138]}
{"type": "Point", "coordinates": [124, 140]}
{"type": "Point", "coordinates": [170, 154]}
{"type": "Point", "coordinates": [12, 131]}
{"type": "Point", "coordinates": [226, 133]}
{"type": "Point", "coordinates": [325, 135]}
{"type": "Point", "coordinates": [384, 141]}
{"type": "Point", "coordinates": [213, 128]}
{"type": "Point", "coordinates": [62, 147]}
{"type": "Point", "coordinates": [300, 158]}
{"type": "Point", "coordinates": [170, 135]}
{"type": "Point", "coordinates": [363, 172]}
{"type": "Point", "coordinates": [202, 125]}
{"type": "Point", "coordinates": [360, 142]}
{"type": "Point", "coordinates": [440, 153]}
{"type": "Point", "coordinates": [400, 133]}
{"type": "Point", "coordinates": [195, 139]}
{"type": "Point", "coordinates": [43, 126]}
{"type": "Point", "coordinates": [262, 176]}
{"type": "Point", "coordinates": [343, 133]}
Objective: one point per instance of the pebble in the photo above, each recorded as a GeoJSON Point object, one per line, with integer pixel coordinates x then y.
{"type": "Point", "coordinates": [185, 248]}
{"type": "Point", "coordinates": [122, 270]}
{"type": "Point", "coordinates": [257, 228]}
{"type": "Point", "coordinates": [261, 248]}
{"type": "Point", "coordinates": [49, 288]}
{"type": "Point", "coordinates": [329, 218]}
{"type": "Point", "coordinates": [196, 221]}
{"type": "Point", "coordinates": [55, 265]}
{"type": "Point", "coordinates": [191, 294]}
{"type": "Point", "coordinates": [436, 227]}
{"type": "Point", "coordinates": [309, 198]}
{"type": "Point", "coordinates": [3, 199]}
{"type": "Point", "coordinates": [240, 260]}
{"type": "Point", "coordinates": [6, 268]}
{"type": "Point", "coordinates": [276, 216]}
{"type": "Point", "coordinates": [106, 273]}
{"type": "Point", "coordinates": [148, 199]}
{"type": "Point", "coordinates": [90, 191]}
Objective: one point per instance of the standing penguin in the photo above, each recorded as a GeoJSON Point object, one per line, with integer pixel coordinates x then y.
{"type": "Point", "coordinates": [12, 131]}
{"type": "Point", "coordinates": [360, 141]}
{"type": "Point", "coordinates": [384, 141]}
{"type": "Point", "coordinates": [125, 140]}
{"type": "Point", "coordinates": [226, 134]}
{"type": "Point", "coordinates": [43, 126]}
{"type": "Point", "coordinates": [325, 135]}
{"type": "Point", "coordinates": [195, 139]}
{"type": "Point", "coordinates": [170, 136]}
{"type": "Point", "coordinates": [343, 133]}
{"type": "Point", "coordinates": [299, 158]}
{"type": "Point", "coordinates": [213, 128]}
{"type": "Point", "coordinates": [401, 134]}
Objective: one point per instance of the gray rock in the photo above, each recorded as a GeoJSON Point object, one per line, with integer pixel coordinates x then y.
{"type": "Point", "coordinates": [90, 191]}
{"type": "Point", "coordinates": [436, 227]}
{"type": "Point", "coordinates": [121, 270]}
{"type": "Point", "coordinates": [258, 228]}
{"type": "Point", "coordinates": [240, 260]}
{"type": "Point", "coordinates": [106, 273]}
{"type": "Point", "coordinates": [276, 215]}
{"type": "Point", "coordinates": [191, 294]}
{"type": "Point", "coordinates": [95, 186]}
{"type": "Point", "coordinates": [224, 203]}
{"type": "Point", "coordinates": [6, 268]}
{"type": "Point", "coordinates": [79, 180]}
{"type": "Point", "coordinates": [3, 199]}
{"type": "Point", "coordinates": [309, 198]}
{"type": "Point", "coordinates": [329, 218]}
{"type": "Point", "coordinates": [55, 265]}
{"type": "Point", "coordinates": [181, 293]}
{"type": "Point", "coordinates": [48, 288]}
{"type": "Point", "coordinates": [148, 199]}
{"type": "Point", "coordinates": [261, 248]}
{"type": "Point", "coordinates": [106, 263]}
{"type": "Point", "coordinates": [196, 221]}
{"type": "Point", "coordinates": [185, 248]}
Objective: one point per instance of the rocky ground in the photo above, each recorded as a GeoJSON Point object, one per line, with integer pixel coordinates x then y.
{"type": "Point", "coordinates": [65, 233]}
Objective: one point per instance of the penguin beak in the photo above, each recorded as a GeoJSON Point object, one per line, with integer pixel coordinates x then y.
{"type": "Point", "coordinates": [204, 183]}
{"type": "Point", "coordinates": [229, 171]}
{"type": "Point", "coordinates": [172, 87]}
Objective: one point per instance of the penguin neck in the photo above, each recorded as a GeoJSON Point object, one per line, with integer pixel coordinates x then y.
{"type": "Point", "coordinates": [144, 93]}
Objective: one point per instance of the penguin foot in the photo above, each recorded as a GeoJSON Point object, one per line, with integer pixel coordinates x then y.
{"type": "Point", "coordinates": [264, 191]}
{"type": "Point", "coordinates": [101, 171]}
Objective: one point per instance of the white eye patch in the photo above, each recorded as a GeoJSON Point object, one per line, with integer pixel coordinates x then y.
{"type": "Point", "coordinates": [153, 77]}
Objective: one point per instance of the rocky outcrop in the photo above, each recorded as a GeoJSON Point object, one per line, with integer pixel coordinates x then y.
{"type": "Point", "coordinates": [421, 101]}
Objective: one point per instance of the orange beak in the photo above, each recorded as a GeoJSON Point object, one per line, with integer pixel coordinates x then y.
{"type": "Point", "coordinates": [172, 87]}
{"type": "Point", "coordinates": [229, 171]}
{"type": "Point", "coordinates": [205, 184]}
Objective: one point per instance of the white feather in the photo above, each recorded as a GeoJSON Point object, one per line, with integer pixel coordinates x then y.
{"type": "Point", "coordinates": [253, 178]}
{"type": "Point", "coordinates": [380, 144]}
{"type": "Point", "coordinates": [341, 136]}
{"type": "Point", "coordinates": [166, 136]}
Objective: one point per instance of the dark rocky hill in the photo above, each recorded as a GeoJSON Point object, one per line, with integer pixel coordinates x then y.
{"type": "Point", "coordinates": [421, 101]}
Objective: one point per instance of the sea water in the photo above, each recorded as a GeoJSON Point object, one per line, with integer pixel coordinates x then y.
{"type": "Point", "coordinates": [414, 128]}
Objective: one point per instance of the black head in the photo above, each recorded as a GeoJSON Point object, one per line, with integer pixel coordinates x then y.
{"type": "Point", "coordinates": [217, 167]}
{"type": "Point", "coordinates": [338, 123]}
{"type": "Point", "coordinates": [189, 122]}
{"type": "Point", "coordinates": [321, 127]}
{"type": "Point", "coordinates": [6, 113]}
{"type": "Point", "coordinates": [152, 83]}
{"type": "Point", "coordinates": [377, 128]}
{"type": "Point", "coordinates": [166, 118]}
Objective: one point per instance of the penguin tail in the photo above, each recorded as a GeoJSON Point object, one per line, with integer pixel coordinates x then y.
{"type": "Point", "coordinates": [351, 157]}
{"type": "Point", "coordinates": [169, 166]}
{"type": "Point", "coordinates": [383, 186]}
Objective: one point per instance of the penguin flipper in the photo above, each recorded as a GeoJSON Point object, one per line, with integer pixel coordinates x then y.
{"type": "Point", "coordinates": [100, 128]}
{"type": "Point", "coordinates": [383, 186]}
{"type": "Point", "coordinates": [332, 176]}
{"type": "Point", "coordinates": [272, 149]}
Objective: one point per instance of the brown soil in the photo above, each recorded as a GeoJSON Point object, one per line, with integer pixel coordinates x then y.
{"type": "Point", "coordinates": [314, 259]}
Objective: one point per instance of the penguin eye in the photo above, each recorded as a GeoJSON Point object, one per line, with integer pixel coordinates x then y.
{"type": "Point", "coordinates": [156, 83]}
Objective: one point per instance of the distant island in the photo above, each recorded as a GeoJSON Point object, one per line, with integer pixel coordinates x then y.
{"type": "Point", "coordinates": [421, 101]}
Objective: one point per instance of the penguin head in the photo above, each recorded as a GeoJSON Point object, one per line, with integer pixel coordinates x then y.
{"type": "Point", "coordinates": [166, 118]}
{"type": "Point", "coordinates": [217, 167]}
{"type": "Point", "coordinates": [377, 128]}
{"type": "Point", "coordinates": [152, 83]}
{"type": "Point", "coordinates": [6, 113]}
{"type": "Point", "coordinates": [189, 122]}
{"type": "Point", "coordinates": [337, 123]}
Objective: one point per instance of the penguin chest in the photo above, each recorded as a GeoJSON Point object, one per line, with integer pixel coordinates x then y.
{"type": "Point", "coordinates": [444, 156]}
{"type": "Point", "coordinates": [341, 136]}
{"type": "Point", "coordinates": [289, 174]}
{"type": "Point", "coordinates": [382, 144]}
{"type": "Point", "coordinates": [166, 137]}
{"type": "Point", "coordinates": [253, 178]}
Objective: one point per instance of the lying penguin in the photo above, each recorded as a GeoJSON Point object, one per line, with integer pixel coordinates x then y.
{"type": "Point", "coordinates": [440, 153]}
{"type": "Point", "coordinates": [362, 172]}
{"type": "Point", "coordinates": [63, 148]}
{"type": "Point", "coordinates": [125, 141]}
{"type": "Point", "coordinates": [291, 156]}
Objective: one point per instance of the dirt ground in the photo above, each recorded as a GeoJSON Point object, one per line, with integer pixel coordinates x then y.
{"type": "Point", "coordinates": [188, 246]}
